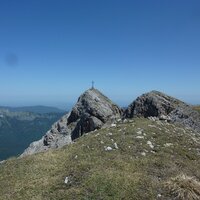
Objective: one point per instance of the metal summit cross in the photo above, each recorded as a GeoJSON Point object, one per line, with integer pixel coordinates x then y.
{"type": "Point", "coordinates": [92, 84]}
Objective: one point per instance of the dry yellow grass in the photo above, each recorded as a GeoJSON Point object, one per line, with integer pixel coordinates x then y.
{"type": "Point", "coordinates": [184, 187]}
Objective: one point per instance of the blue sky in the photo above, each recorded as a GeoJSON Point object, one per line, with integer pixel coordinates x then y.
{"type": "Point", "coordinates": [51, 50]}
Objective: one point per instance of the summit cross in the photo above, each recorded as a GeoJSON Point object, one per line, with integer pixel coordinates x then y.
{"type": "Point", "coordinates": [92, 84]}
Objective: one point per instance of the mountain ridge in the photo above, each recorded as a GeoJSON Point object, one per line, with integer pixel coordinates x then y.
{"type": "Point", "coordinates": [149, 151]}
{"type": "Point", "coordinates": [39, 109]}
{"type": "Point", "coordinates": [94, 110]}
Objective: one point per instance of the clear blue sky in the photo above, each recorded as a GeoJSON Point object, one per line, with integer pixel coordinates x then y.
{"type": "Point", "coordinates": [51, 50]}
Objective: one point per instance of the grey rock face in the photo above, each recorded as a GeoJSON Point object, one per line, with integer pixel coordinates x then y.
{"type": "Point", "coordinates": [92, 111]}
{"type": "Point", "coordinates": [152, 104]}
{"type": "Point", "coordinates": [157, 104]}
{"type": "Point", "coordinates": [187, 116]}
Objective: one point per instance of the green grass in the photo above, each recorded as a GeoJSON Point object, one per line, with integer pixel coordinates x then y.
{"type": "Point", "coordinates": [133, 171]}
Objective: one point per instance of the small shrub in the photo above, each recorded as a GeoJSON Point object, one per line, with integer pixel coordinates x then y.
{"type": "Point", "coordinates": [183, 187]}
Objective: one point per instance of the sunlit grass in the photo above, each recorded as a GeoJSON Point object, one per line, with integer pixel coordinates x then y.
{"type": "Point", "coordinates": [133, 171]}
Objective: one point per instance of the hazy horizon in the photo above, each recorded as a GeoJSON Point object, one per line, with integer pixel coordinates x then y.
{"type": "Point", "coordinates": [69, 103]}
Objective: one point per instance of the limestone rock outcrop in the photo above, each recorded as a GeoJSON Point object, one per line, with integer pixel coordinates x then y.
{"type": "Point", "coordinates": [92, 111]}
{"type": "Point", "coordinates": [157, 104]}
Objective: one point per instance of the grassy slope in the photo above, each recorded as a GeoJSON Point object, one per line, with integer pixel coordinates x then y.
{"type": "Point", "coordinates": [94, 173]}
{"type": "Point", "coordinates": [197, 108]}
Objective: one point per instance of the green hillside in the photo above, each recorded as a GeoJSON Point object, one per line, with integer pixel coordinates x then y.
{"type": "Point", "coordinates": [19, 129]}
{"type": "Point", "coordinates": [140, 159]}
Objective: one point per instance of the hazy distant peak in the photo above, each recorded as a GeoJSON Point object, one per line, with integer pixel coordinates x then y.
{"type": "Point", "coordinates": [34, 109]}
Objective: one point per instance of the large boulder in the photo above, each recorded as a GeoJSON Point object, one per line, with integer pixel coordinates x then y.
{"type": "Point", "coordinates": [162, 106]}
{"type": "Point", "coordinates": [92, 111]}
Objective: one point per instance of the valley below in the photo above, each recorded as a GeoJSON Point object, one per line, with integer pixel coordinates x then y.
{"type": "Point", "coordinates": [19, 128]}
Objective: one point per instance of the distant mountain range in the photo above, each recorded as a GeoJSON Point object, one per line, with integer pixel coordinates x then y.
{"type": "Point", "coordinates": [33, 109]}
{"type": "Point", "coordinates": [21, 126]}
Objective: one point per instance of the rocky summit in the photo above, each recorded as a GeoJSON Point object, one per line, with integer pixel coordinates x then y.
{"type": "Point", "coordinates": [164, 107]}
{"type": "Point", "coordinates": [92, 111]}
